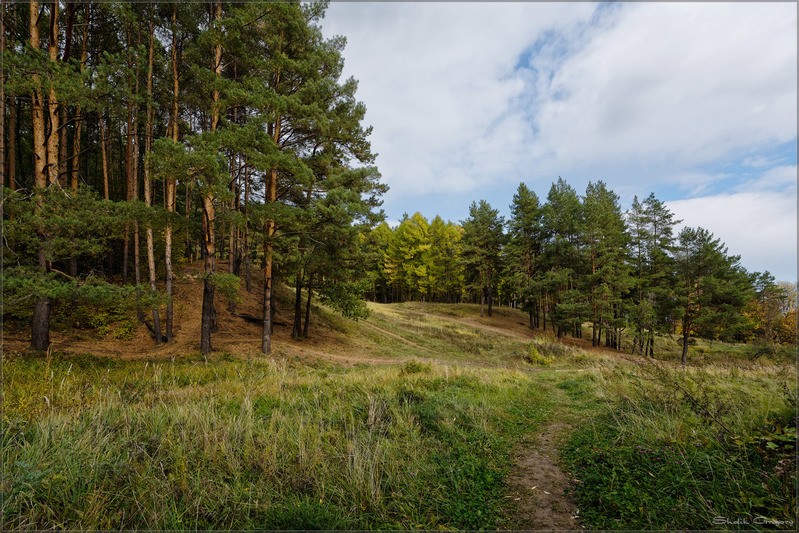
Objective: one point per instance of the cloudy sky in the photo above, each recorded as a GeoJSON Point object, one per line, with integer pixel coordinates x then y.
{"type": "Point", "coordinates": [694, 102]}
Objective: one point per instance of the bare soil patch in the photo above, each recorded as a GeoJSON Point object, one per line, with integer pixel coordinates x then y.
{"type": "Point", "coordinates": [536, 488]}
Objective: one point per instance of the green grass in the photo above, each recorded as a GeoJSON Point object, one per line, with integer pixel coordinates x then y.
{"type": "Point", "coordinates": [422, 443]}
{"type": "Point", "coordinates": [677, 449]}
{"type": "Point", "coordinates": [98, 444]}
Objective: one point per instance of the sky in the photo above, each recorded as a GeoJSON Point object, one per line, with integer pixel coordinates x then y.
{"type": "Point", "coordinates": [696, 102]}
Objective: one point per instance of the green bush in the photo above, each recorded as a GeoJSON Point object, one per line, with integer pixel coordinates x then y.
{"type": "Point", "coordinates": [534, 357]}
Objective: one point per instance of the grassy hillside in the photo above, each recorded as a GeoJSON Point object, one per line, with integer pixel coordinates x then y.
{"type": "Point", "coordinates": [409, 419]}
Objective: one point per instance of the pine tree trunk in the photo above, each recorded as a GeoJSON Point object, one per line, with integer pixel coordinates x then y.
{"type": "Point", "coordinates": [104, 156]}
{"type": "Point", "coordinates": [11, 153]}
{"type": "Point", "coordinates": [128, 187]}
{"type": "Point", "coordinates": [40, 323]}
{"type": "Point", "coordinates": [686, 328]}
{"type": "Point", "coordinates": [266, 335]}
{"type": "Point", "coordinates": [246, 243]}
{"type": "Point", "coordinates": [74, 161]}
{"type": "Point", "coordinates": [63, 159]}
{"type": "Point", "coordinates": [208, 317]}
{"type": "Point", "coordinates": [125, 254]}
{"type": "Point", "coordinates": [77, 129]}
{"type": "Point", "coordinates": [308, 307]}
{"type": "Point", "coordinates": [3, 105]}
{"type": "Point", "coordinates": [135, 186]}
{"type": "Point", "coordinates": [271, 197]}
{"type": "Point", "coordinates": [209, 217]}
{"type": "Point", "coordinates": [40, 327]}
{"type": "Point", "coordinates": [39, 143]}
{"type": "Point", "coordinates": [53, 139]}
{"type": "Point", "coordinates": [209, 249]}
{"type": "Point", "coordinates": [170, 185]}
{"type": "Point", "coordinates": [296, 332]}
{"type": "Point", "coordinates": [148, 184]}
{"type": "Point", "coordinates": [544, 312]}
{"type": "Point", "coordinates": [232, 252]}
{"type": "Point", "coordinates": [187, 213]}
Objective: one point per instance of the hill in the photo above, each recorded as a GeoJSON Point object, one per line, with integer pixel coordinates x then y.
{"type": "Point", "coordinates": [391, 334]}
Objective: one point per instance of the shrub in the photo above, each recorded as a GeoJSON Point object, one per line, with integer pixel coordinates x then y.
{"type": "Point", "coordinates": [534, 357]}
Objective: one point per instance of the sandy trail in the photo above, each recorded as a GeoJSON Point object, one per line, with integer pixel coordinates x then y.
{"type": "Point", "coordinates": [537, 487]}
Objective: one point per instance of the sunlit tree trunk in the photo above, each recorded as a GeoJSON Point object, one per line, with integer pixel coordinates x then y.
{"type": "Point", "coordinates": [78, 117]}
{"type": "Point", "coordinates": [269, 230]}
{"type": "Point", "coordinates": [104, 155]}
{"type": "Point", "coordinates": [148, 184]}
{"type": "Point", "coordinates": [209, 217]}
{"type": "Point", "coordinates": [52, 102]}
{"type": "Point", "coordinates": [40, 323]}
{"type": "Point", "coordinates": [170, 185]}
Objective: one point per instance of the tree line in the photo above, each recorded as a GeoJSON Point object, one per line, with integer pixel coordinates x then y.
{"type": "Point", "coordinates": [139, 134]}
{"type": "Point", "coordinates": [578, 259]}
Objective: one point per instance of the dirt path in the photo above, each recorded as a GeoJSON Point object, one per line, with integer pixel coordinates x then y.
{"type": "Point", "coordinates": [343, 358]}
{"type": "Point", "coordinates": [384, 331]}
{"type": "Point", "coordinates": [536, 487]}
{"type": "Point", "coordinates": [478, 323]}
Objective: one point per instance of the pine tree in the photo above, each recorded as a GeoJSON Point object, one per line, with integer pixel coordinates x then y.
{"type": "Point", "coordinates": [712, 287]}
{"type": "Point", "coordinates": [524, 248]}
{"type": "Point", "coordinates": [375, 245]}
{"type": "Point", "coordinates": [407, 252]}
{"type": "Point", "coordinates": [605, 248]}
{"type": "Point", "coordinates": [483, 239]}
{"type": "Point", "coordinates": [563, 261]}
{"type": "Point", "coordinates": [651, 227]}
{"type": "Point", "coordinates": [443, 261]}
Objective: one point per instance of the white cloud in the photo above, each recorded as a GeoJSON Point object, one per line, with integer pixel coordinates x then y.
{"type": "Point", "coordinates": [757, 161]}
{"type": "Point", "coordinates": [674, 85]}
{"type": "Point", "coordinates": [697, 182]}
{"type": "Point", "coordinates": [437, 80]}
{"type": "Point", "coordinates": [776, 178]}
{"type": "Point", "coordinates": [665, 86]}
{"type": "Point", "coordinates": [758, 226]}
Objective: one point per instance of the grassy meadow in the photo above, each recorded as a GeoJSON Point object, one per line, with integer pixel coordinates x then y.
{"type": "Point", "coordinates": [418, 436]}
{"type": "Point", "coordinates": [253, 444]}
